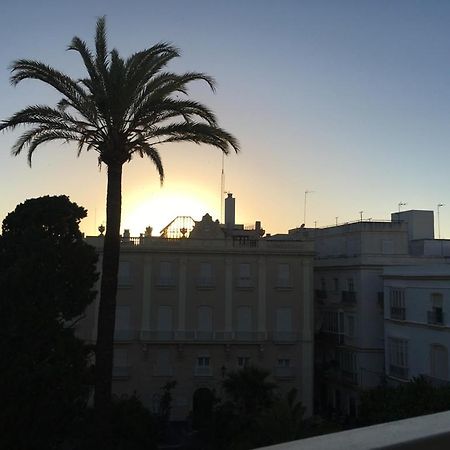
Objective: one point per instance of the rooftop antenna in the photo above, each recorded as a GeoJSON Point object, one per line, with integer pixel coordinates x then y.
{"type": "Point", "coordinates": [440, 205]}
{"type": "Point", "coordinates": [400, 206]}
{"type": "Point", "coordinates": [304, 206]}
{"type": "Point", "coordinates": [222, 188]}
{"type": "Point", "coordinates": [361, 215]}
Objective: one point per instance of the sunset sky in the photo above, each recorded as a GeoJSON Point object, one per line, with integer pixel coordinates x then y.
{"type": "Point", "coordinates": [349, 99]}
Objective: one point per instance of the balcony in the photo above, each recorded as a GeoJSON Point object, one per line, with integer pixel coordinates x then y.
{"type": "Point", "coordinates": [348, 298]}
{"type": "Point", "coordinates": [436, 317]}
{"type": "Point", "coordinates": [166, 282]}
{"type": "Point", "coordinates": [121, 372]}
{"type": "Point", "coordinates": [283, 284]}
{"type": "Point", "coordinates": [425, 432]}
{"type": "Point", "coordinates": [206, 283]}
{"type": "Point", "coordinates": [202, 336]}
{"type": "Point", "coordinates": [398, 313]}
{"type": "Point", "coordinates": [124, 335]}
{"type": "Point", "coordinates": [399, 372]}
{"type": "Point", "coordinates": [245, 284]}
{"type": "Point", "coordinates": [284, 372]}
{"type": "Point", "coordinates": [349, 376]}
{"type": "Point", "coordinates": [285, 336]}
{"type": "Point", "coordinates": [200, 371]}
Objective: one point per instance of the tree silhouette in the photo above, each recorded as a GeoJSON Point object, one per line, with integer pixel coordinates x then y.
{"type": "Point", "coordinates": [123, 108]}
{"type": "Point", "coordinates": [46, 276]}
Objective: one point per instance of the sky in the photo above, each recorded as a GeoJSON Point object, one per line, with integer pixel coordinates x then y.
{"type": "Point", "coordinates": [347, 99]}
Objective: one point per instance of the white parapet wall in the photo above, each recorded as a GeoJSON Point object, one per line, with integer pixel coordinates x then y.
{"type": "Point", "coordinates": [431, 432]}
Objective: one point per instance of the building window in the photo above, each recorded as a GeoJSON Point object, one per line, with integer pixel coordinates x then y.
{"type": "Point", "coordinates": [164, 326]}
{"type": "Point", "coordinates": [203, 367]}
{"type": "Point", "coordinates": [284, 276]}
{"type": "Point", "coordinates": [283, 369]}
{"type": "Point", "coordinates": [397, 303]}
{"type": "Point", "coordinates": [204, 322]}
{"type": "Point", "coordinates": [439, 361]}
{"type": "Point", "coordinates": [283, 324]}
{"type": "Point", "coordinates": [244, 323]}
{"type": "Point", "coordinates": [166, 274]}
{"type": "Point", "coordinates": [398, 358]}
{"type": "Point", "coordinates": [122, 330]}
{"type": "Point", "coordinates": [323, 284]}
{"type": "Point", "coordinates": [347, 364]}
{"type": "Point", "coordinates": [387, 247]}
{"type": "Point", "coordinates": [163, 367]}
{"type": "Point", "coordinates": [350, 326]}
{"type": "Point", "coordinates": [124, 274]}
{"type": "Point", "coordinates": [436, 315]}
{"type": "Point", "coordinates": [244, 277]}
{"type": "Point", "coordinates": [336, 284]}
{"type": "Point", "coordinates": [121, 366]}
{"type": "Point", "coordinates": [350, 285]}
{"type": "Point", "coordinates": [243, 361]}
{"type": "Point", "coordinates": [206, 277]}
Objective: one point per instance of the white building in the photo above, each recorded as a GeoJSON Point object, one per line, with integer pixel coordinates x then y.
{"type": "Point", "coordinates": [350, 260]}
{"type": "Point", "coordinates": [417, 322]}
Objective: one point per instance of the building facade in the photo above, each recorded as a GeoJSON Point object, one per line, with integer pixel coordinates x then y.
{"type": "Point", "coordinates": [417, 322]}
{"type": "Point", "coordinates": [194, 308]}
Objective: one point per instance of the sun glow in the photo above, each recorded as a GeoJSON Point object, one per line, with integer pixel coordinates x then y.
{"type": "Point", "coordinates": [161, 208]}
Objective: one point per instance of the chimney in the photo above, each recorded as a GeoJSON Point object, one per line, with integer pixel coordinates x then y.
{"type": "Point", "coordinates": [230, 211]}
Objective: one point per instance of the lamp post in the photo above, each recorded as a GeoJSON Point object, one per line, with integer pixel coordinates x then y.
{"type": "Point", "coordinates": [440, 205]}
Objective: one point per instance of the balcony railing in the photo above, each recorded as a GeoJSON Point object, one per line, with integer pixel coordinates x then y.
{"type": "Point", "coordinates": [349, 298]}
{"type": "Point", "coordinates": [398, 313]}
{"type": "Point", "coordinates": [165, 282]}
{"type": "Point", "coordinates": [350, 376]}
{"type": "Point", "coordinates": [124, 335]}
{"type": "Point", "coordinates": [399, 372]}
{"type": "Point", "coordinates": [202, 371]}
{"type": "Point", "coordinates": [436, 317]}
{"type": "Point", "coordinates": [244, 283]}
{"type": "Point", "coordinates": [284, 372]}
{"type": "Point", "coordinates": [196, 336]}
{"type": "Point", "coordinates": [285, 336]}
{"type": "Point", "coordinates": [206, 283]}
{"type": "Point", "coordinates": [121, 372]}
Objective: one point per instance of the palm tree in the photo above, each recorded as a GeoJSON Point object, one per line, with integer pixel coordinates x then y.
{"type": "Point", "coordinates": [124, 108]}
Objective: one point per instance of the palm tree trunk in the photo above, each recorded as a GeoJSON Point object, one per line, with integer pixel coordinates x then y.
{"type": "Point", "coordinates": [108, 291]}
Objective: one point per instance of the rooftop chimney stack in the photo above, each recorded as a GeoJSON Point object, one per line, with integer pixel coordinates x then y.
{"type": "Point", "coordinates": [230, 207]}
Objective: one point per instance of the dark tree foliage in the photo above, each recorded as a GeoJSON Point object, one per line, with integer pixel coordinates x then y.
{"type": "Point", "coordinates": [416, 398]}
{"type": "Point", "coordinates": [252, 414]}
{"type": "Point", "coordinates": [46, 276]}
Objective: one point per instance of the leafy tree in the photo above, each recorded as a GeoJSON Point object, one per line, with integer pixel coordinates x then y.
{"type": "Point", "coordinates": [248, 395]}
{"type": "Point", "coordinates": [282, 422]}
{"type": "Point", "coordinates": [123, 108]}
{"type": "Point", "coordinates": [415, 398]}
{"type": "Point", "coordinates": [46, 276]}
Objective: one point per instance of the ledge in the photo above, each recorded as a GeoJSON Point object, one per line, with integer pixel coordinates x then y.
{"type": "Point", "coordinates": [431, 432]}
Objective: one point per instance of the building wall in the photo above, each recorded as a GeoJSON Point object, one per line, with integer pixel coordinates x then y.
{"type": "Point", "coordinates": [147, 356]}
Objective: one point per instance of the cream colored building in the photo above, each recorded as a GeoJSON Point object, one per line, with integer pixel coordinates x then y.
{"type": "Point", "coordinates": [192, 309]}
